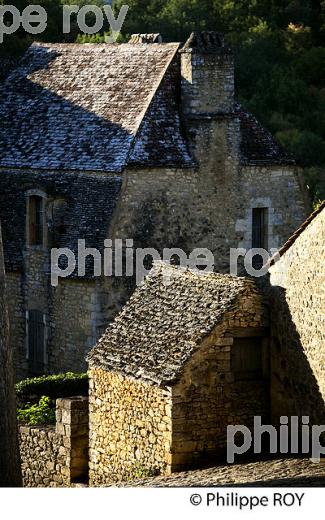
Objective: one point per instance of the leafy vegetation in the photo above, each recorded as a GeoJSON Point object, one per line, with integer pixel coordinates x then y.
{"type": "Point", "coordinates": [280, 59]}
{"type": "Point", "coordinates": [53, 386]}
{"type": "Point", "coordinates": [40, 413]}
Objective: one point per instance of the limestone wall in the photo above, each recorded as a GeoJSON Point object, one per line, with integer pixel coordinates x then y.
{"type": "Point", "coordinates": [280, 190]}
{"type": "Point", "coordinates": [73, 317]}
{"type": "Point", "coordinates": [130, 428]}
{"type": "Point", "coordinates": [208, 398]}
{"type": "Point", "coordinates": [298, 327]}
{"type": "Point", "coordinates": [208, 207]}
{"type": "Point", "coordinates": [57, 456]}
{"type": "Point", "coordinates": [44, 460]}
{"type": "Point", "coordinates": [73, 324]}
{"type": "Point", "coordinates": [17, 317]}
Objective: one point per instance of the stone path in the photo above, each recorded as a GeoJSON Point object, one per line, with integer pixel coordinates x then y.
{"type": "Point", "coordinates": [279, 472]}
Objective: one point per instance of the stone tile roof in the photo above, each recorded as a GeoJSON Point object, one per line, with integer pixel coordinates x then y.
{"type": "Point", "coordinates": [102, 107]}
{"type": "Point", "coordinates": [296, 234]}
{"type": "Point", "coordinates": [159, 141]}
{"type": "Point", "coordinates": [162, 324]}
{"type": "Point", "coordinates": [7, 63]}
{"type": "Point", "coordinates": [70, 106]}
{"type": "Point", "coordinates": [258, 146]}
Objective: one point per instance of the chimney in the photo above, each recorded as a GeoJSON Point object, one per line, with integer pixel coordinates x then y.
{"type": "Point", "coordinates": [146, 38]}
{"type": "Point", "coordinates": [207, 68]}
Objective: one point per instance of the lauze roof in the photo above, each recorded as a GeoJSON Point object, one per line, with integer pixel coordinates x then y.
{"type": "Point", "coordinates": [69, 106]}
{"type": "Point", "coordinates": [101, 107]}
{"type": "Point", "coordinates": [162, 324]}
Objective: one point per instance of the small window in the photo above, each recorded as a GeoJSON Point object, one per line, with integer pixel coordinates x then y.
{"type": "Point", "coordinates": [36, 347]}
{"type": "Point", "coordinates": [35, 220]}
{"type": "Point", "coordinates": [260, 228]}
{"type": "Point", "coordinates": [246, 359]}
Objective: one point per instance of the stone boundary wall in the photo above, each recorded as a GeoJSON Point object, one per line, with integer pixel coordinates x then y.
{"type": "Point", "coordinates": [57, 456]}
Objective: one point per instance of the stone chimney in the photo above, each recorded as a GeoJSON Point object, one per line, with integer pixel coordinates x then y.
{"type": "Point", "coordinates": [207, 67]}
{"type": "Point", "coordinates": [146, 38]}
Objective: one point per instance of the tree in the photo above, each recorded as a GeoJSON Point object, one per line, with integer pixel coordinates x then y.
{"type": "Point", "coordinates": [10, 473]}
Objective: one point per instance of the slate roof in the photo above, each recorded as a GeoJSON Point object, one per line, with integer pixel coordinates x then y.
{"type": "Point", "coordinates": [258, 146]}
{"type": "Point", "coordinates": [161, 326]}
{"type": "Point", "coordinates": [70, 106]}
{"type": "Point", "coordinates": [101, 107]}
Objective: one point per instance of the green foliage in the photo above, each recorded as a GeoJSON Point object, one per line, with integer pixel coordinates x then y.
{"type": "Point", "coordinates": [53, 386]}
{"type": "Point", "coordinates": [38, 414]}
{"type": "Point", "coordinates": [139, 471]}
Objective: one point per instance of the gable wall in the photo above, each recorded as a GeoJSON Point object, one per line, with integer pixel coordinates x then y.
{"type": "Point", "coordinates": [208, 398]}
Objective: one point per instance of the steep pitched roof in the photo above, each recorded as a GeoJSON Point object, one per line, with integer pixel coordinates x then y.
{"type": "Point", "coordinates": [258, 146]}
{"type": "Point", "coordinates": [162, 324]}
{"type": "Point", "coordinates": [291, 240]}
{"type": "Point", "coordinates": [70, 106]}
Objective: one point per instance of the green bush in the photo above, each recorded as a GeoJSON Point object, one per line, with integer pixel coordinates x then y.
{"type": "Point", "coordinates": [53, 386]}
{"type": "Point", "coordinates": [38, 414]}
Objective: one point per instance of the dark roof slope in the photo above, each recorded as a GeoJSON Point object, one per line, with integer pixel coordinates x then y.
{"type": "Point", "coordinates": [69, 106]}
{"type": "Point", "coordinates": [162, 324]}
{"type": "Point", "coordinates": [258, 146]}
{"type": "Point", "coordinates": [297, 233]}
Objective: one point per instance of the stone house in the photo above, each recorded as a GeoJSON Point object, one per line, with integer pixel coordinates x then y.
{"type": "Point", "coordinates": [297, 282]}
{"type": "Point", "coordinates": [138, 141]}
{"type": "Point", "coordinates": [187, 356]}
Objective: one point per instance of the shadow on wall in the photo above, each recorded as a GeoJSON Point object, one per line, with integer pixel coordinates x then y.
{"type": "Point", "coordinates": [294, 387]}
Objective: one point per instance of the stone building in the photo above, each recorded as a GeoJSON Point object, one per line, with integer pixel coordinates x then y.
{"type": "Point", "coordinates": [139, 141]}
{"type": "Point", "coordinates": [186, 357]}
{"type": "Point", "coordinates": [297, 279]}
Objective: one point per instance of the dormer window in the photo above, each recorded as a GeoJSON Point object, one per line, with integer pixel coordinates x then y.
{"type": "Point", "coordinates": [35, 219]}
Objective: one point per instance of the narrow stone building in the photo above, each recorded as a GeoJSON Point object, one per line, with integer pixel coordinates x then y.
{"type": "Point", "coordinates": [144, 142]}
{"type": "Point", "coordinates": [297, 282]}
{"type": "Point", "coordinates": [186, 357]}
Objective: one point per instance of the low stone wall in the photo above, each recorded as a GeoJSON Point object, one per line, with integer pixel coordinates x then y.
{"type": "Point", "coordinates": [57, 456]}
{"type": "Point", "coordinates": [130, 428]}
{"type": "Point", "coordinates": [45, 460]}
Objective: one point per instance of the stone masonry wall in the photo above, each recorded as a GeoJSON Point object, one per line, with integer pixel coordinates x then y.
{"type": "Point", "coordinates": [208, 398]}
{"type": "Point", "coordinates": [73, 324]}
{"type": "Point", "coordinates": [209, 207]}
{"type": "Point", "coordinates": [130, 428]}
{"type": "Point", "coordinates": [17, 317]}
{"type": "Point", "coordinates": [298, 327]}
{"type": "Point", "coordinates": [57, 456]}
{"type": "Point", "coordinates": [44, 458]}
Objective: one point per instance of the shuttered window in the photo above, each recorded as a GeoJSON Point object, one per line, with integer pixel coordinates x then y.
{"type": "Point", "coordinates": [35, 220]}
{"type": "Point", "coordinates": [246, 359]}
{"type": "Point", "coordinates": [36, 341]}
